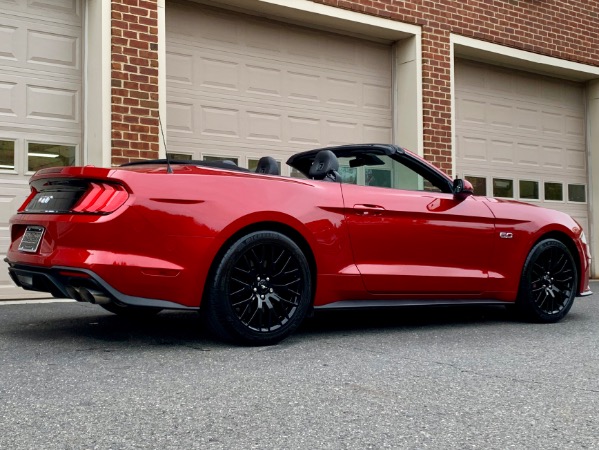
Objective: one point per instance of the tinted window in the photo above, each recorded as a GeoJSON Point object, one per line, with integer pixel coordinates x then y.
{"type": "Point", "coordinates": [529, 190]}
{"type": "Point", "coordinates": [577, 193]}
{"type": "Point", "coordinates": [554, 191]}
{"type": "Point", "coordinates": [503, 188]}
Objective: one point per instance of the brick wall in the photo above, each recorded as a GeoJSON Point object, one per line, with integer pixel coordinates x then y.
{"type": "Point", "coordinates": [566, 29]}
{"type": "Point", "coordinates": [134, 80]}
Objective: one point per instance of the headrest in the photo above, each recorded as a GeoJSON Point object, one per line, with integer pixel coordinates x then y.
{"type": "Point", "coordinates": [268, 165]}
{"type": "Point", "coordinates": [324, 163]}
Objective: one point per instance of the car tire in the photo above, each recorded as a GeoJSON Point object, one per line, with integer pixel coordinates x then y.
{"type": "Point", "coordinates": [130, 311]}
{"type": "Point", "coordinates": [548, 284]}
{"type": "Point", "coordinates": [260, 291]}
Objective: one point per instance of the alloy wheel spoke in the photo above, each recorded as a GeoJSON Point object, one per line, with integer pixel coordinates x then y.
{"type": "Point", "coordinates": [553, 275]}
{"type": "Point", "coordinates": [265, 286]}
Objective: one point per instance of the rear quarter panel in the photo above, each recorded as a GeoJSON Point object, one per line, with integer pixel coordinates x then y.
{"type": "Point", "coordinates": [192, 217]}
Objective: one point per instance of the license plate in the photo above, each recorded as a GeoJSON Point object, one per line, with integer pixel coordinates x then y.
{"type": "Point", "coordinates": [31, 239]}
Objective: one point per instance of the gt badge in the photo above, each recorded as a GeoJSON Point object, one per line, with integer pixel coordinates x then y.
{"type": "Point", "coordinates": [506, 235]}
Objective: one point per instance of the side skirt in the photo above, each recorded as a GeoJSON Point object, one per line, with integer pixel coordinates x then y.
{"type": "Point", "coordinates": [357, 304]}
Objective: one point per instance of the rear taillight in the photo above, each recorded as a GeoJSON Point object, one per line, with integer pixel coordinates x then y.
{"type": "Point", "coordinates": [101, 198]}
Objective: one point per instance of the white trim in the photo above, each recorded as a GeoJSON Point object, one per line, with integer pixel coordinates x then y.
{"type": "Point", "coordinates": [452, 105]}
{"type": "Point", "coordinates": [97, 139]}
{"type": "Point", "coordinates": [345, 14]}
{"type": "Point", "coordinates": [321, 16]}
{"type": "Point", "coordinates": [408, 122]}
{"type": "Point", "coordinates": [521, 59]}
{"type": "Point", "coordinates": [162, 106]}
{"type": "Point", "coordinates": [34, 302]}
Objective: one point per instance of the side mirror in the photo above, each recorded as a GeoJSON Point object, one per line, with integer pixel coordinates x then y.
{"type": "Point", "coordinates": [462, 188]}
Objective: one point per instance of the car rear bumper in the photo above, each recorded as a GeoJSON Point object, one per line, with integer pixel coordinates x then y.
{"type": "Point", "coordinates": [79, 284]}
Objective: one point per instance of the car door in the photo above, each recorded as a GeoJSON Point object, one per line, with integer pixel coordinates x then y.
{"type": "Point", "coordinates": [411, 239]}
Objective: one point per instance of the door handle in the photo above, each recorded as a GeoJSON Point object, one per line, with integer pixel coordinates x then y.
{"type": "Point", "coordinates": [368, 209]}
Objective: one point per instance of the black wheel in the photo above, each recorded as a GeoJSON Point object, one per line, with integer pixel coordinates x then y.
{"type": "Point", "coordinates": [130, 311]}
{"type": "Point", "coordinates": [549, 282]}
{"type": "Point", "coordinates": [260, 291]}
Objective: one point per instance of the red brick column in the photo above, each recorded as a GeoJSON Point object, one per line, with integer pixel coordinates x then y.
{"type": "Point", "coordinates": [134, 60]}
{"type": "Point", "coordinates": [436, 97]}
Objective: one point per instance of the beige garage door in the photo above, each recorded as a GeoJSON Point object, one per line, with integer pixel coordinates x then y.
{"type": "Point", "coordinates": [40, 96]}
{"type": "Point", "coordinates": [522, 136]}
{"type": "Point", "coordinates": [241, 87]}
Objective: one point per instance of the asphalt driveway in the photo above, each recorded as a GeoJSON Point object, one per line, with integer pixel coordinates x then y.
{"type": "Point", "coordinates": [75, 376]}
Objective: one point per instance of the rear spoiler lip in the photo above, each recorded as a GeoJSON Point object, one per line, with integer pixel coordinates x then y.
{"type": "Point", "coordinates": [88, 172]}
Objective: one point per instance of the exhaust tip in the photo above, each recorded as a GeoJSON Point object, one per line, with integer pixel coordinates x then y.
{"type": "Point", "coordinates": [72, 292]}
{"type": "Point", "coordinates": [93, 296]}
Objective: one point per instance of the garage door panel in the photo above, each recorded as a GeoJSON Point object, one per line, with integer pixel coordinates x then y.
{"type": "Point", "coordinates": [8, 39]}
{"type": "Point", "coordinates": [54, 103]}
{"type": "Point", "coordinates": [552, 157]}
{"type": "Point", "coordinates": [576, 161]}
{"type": "Point", "coordinates": [26, 100]}
{"type": "Point", "coordinates": [574, 127]}
{"type": "Point", "coordinates": [498, 82]}
{"type": "Point", "coordinates": [501, 116]}
{"type": "Point", "coordinates": [477, 149]}
{"type": "Point", "coordinates": [224, 74]}
{"type": "Point", "coordinates": [184, 64]}
{"type": "Point", "coordinates": [53, 48]}
{"type": "Point", "coordinates": [374, 133]}
{"type": "Point", "coordinates": [304, 130]}
{"type": "Point", "coordinates": [528, 155]}
{"type": "Point", "coordinates": [527, 120]}
{"type": "Point", "coordinates": [236, 122]}
{"type": "Point", "coordinates": [264, 81]}
{"type": "Point", "coordinates": [501, 152]}
{"type": "Point", "coordinates": [8, 98]}
{"type": "Point", "coordinates": [472, 148]}
{"type": "Point", "coordinates": [320, 108]}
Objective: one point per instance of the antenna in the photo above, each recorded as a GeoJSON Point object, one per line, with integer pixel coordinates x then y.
{"type": "Point", "coordinates": [169, 169]}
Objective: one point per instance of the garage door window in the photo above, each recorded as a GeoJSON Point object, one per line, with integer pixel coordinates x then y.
{"type": "Point", "coordinates": [7, 155]}
{"type": "Point", "coordinates": [577, 193]}
{"type": "Point", "coordinates": [179, 157]}
{"type": "Point", "coordinates": [529, 190]}
{"type": "Point", "coordinates": [479, 184]}
{"type": "Point", "coordinates": [40, 156]}
{"type": "Point", "coordinates": [503, 188]}
{"type": "Point", "coordinates": [222, 159]}
{"type": "Point", "coordinates": [554, 192]}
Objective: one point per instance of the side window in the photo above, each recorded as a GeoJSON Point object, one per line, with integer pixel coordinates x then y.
{"type": "Point", "coordinates": [383, 171]}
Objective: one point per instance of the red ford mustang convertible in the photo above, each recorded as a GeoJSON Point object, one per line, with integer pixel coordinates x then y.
{"type": "Point", "coordinates": [370, 226]}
